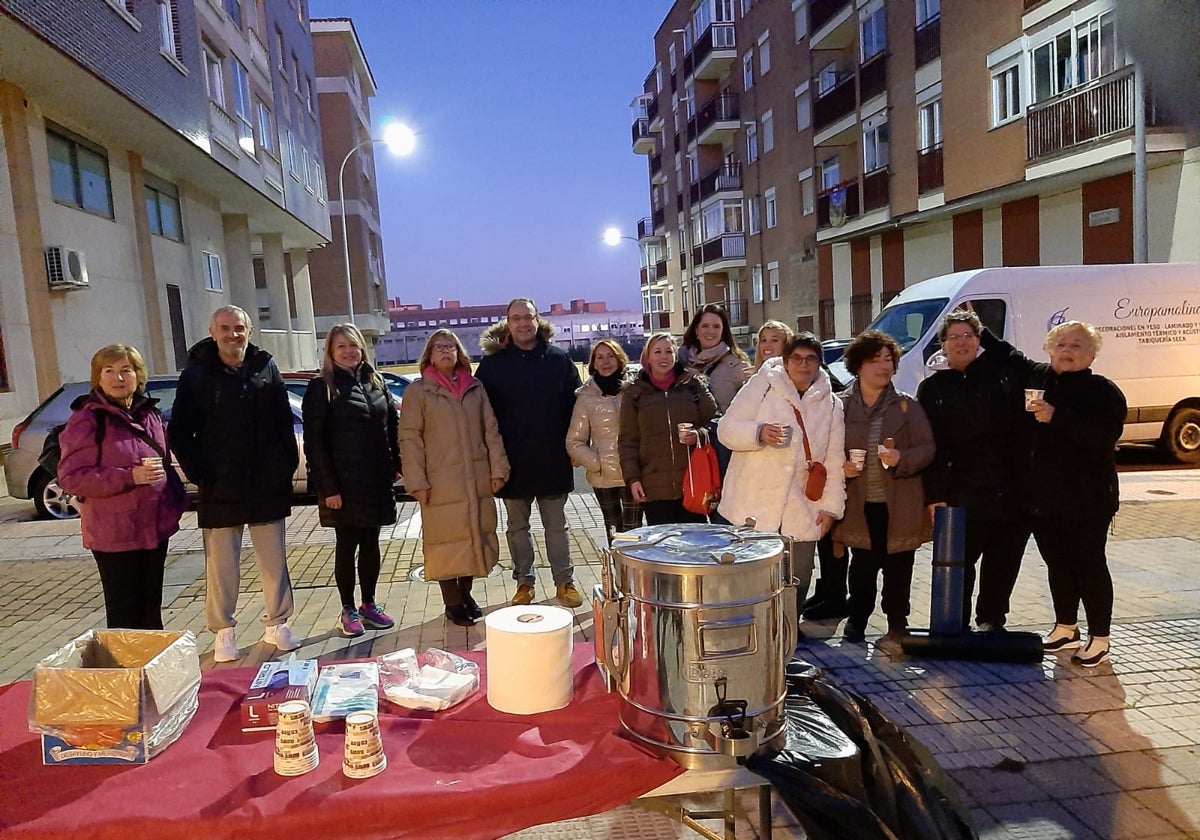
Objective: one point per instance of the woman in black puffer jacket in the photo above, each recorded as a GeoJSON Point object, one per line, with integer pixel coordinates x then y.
{"type": "Point", "coordinates": [352, 449]}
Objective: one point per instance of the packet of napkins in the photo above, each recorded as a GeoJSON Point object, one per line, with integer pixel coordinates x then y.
{"type": "Point", "coordinates": [431, 680]}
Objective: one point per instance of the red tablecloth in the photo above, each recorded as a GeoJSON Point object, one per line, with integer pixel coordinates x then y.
{"type": "Point", "coordinates": [467, 772]}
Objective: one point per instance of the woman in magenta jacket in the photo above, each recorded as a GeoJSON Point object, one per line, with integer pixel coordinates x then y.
{"type": "Point", "coordinates": [131, 498]}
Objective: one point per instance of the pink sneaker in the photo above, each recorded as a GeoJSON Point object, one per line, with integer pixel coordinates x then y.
{"type": "Point", "coordinates": [374, 617]}
{"type": "Point", "coordinates": [351, 623]}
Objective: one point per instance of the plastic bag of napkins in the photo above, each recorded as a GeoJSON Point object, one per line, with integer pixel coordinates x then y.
{"type": "Point", "coordinates": [431, 680]}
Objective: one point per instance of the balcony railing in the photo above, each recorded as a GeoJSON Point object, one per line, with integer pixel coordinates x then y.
{"type": "Point", "coordinates": [834, 104]}
{"type": "Point", "coordinates": [725, 177]}
{"type": "Point", "coordinates": [223, 127]}
{"type": "Point", "coordinates": [738, 312]}
{"type": "Point", "coordinates": [875, 190]}
{"type": "Point", "coordinates": [720, 108]}
{"type": "Point", "coordinates": [727, 246]}
{"type": "Point", "coordinates": [660, 269]}
{"type": "Point", "coordinates": [1082, 115]}
{"type": "Point", "coordinates": [645, 228]}
{"type": "Point", "coordinates": [659, 217]}
{"type": "Point", "coordinates": [821, 11]}
{"type": "Point", "coordinates": [718, 36]}
{"type": "Point", "coordinates": [927, 40]}
{"type": "Point", "coordinates": [929, 169]}
{"type": "Point", "coordinates": [652, 109]}
{"type": "Point", "coordinates": [831, 213]}
{"type": "Point", "coordinates": [872, 76]}
{"type": "Point", "coordinates": [641, 131]}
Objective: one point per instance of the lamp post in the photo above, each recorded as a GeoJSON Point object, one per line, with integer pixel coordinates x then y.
{"type": "Point", "coordinates": [613, 237]}
{"type": "Point", "coordinates": [400, 139]}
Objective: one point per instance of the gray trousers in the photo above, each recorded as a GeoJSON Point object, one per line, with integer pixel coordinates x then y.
{"type": "Point", "coordinates": [520, 543]}
{"type": "Point", "coordinates": [222, 561]}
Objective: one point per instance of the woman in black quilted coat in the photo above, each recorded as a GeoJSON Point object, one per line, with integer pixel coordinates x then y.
{"type": "Point", "coordinates": [352, 449]}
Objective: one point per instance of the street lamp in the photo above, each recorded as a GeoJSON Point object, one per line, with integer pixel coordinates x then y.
{"type": "Point", "coordinates": [613, 237]}
{"type": "Point", "coordinates": [400, 140]}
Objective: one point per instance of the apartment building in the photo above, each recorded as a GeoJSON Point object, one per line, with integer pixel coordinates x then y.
{"type": "Point", "coordinates": [143, 184]}
{"type": "Point", "coordinates": [892, 140]}
{"type": "Point", "coordinates": [345, 87]}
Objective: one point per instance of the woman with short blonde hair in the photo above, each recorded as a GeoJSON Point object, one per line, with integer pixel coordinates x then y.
{"type": "Point", "coordinates": [772, 336]}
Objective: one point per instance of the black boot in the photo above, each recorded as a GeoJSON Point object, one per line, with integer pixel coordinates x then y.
{"type": "Point", "coordinates": [855, 631]}
{"type": "Point", "coordinates": [464, 590]}
{"type": "Point", "coordinates": [458, 614]}
{"type": "Point", "coordinates": [456, 610]}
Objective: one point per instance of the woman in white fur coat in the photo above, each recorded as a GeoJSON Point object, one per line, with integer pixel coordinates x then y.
{"type": "Point", "coordinates": [766, 480]}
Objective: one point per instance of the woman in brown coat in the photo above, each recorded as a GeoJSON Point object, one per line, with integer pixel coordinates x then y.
{"type": "Point", "coordinates": [454, 461]}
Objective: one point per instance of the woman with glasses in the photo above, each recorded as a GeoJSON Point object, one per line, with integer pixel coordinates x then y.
{"type": "Point", "coordinates": [889, 443]}
{"type": "Point", "coordinates": [353, 460]}
{"type": "Point", "coordinates": [454, 462]}
{"type": "Point", "coordinates": [788, 402]}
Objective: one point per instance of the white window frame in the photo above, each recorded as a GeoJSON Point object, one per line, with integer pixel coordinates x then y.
{"type": "Point", "coordinates": [751, 142]}
{"type": "Point", "coordinates": [214, 77]}
{"type": "Point", "coordinates": [830, 165]}
{"type": "Point", "coordinates": [242, 104]}
{"type": "Point", "coordinates": [873, 18]}
{"type": "Point", "coordinates": [803, 108]}
{"type": "Point", "coordinates": [770, 208]}
{"type": "Point", "coordinates": [266, 131]}
{"type": "Point", "coordinates": [827, 78]}
{"type": "Point", "coordinates": [876, 144]}
{"type": "Point", "coordinates": [756, 284]}
{"type": "Point", "coordinates": [800, 19]}
{"type": "Point", "coordinates": [1008, 93]}
{"type": "Point", "coordinates": [808, 193]}
{"type": "Point", "coordinates": [212, 272]}
{"type": "Point", "coordinates": [754, 223]}
{"type": "Point", "coordinates": [764, 53]}
{"type": "Point", "coordinates": [748, 70]}
{"type": "Point", "coordinates": [929, 124]}
{"type": "Point", "coordinates": [773, 280]}
{"type": "Point", "coordinates": [166, 28]}
{"type": "Point", "coordinates": [927, 10]}
{"type": "Point", "coordinates": [768, 131]}
{"type": "Point", "coordinates": [294, 158]}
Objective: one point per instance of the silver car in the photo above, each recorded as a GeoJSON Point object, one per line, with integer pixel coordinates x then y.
{"type": "Point", "coordinates": [27, 480]}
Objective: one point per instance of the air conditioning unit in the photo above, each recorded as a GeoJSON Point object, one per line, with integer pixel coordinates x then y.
{"type": "Point", "coordinates": [65, 268]}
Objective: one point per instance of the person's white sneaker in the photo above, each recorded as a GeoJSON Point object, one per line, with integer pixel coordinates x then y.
{"type": "Point", "coordinates": [281, 636]}
{"type": "Point", "coordinates": [226, 647]}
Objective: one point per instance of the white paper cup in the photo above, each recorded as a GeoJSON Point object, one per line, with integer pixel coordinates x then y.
{"type": "Point", "coordinates": [295, 742]}
{"type": "Point", "coordinates": [684, 428]}
{"type": "Point", "coordinates": [152, 461]}
{"type": "Point", "coordinates": [858, 457]}
{"type": "Point", "coordinates": [363, 756]}
{"type": "Point", "coordinates": [1032, 394]}
{"type": "Point", "coordinates": [785, 435]}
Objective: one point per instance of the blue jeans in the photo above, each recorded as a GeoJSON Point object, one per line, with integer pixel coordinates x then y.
{"type": "Point", "coordinates": [520, 542]}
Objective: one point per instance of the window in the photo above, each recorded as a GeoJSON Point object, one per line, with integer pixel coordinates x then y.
{"type": "Point", "coordinates": [830, 173]}
{"type": "Point", "coordinates": [689, 99]}
{"type": "Point", "coordinates": [79, 173]}
{"type": "Point", "coordinates": [803, 108]}
{"type": "Point", "coordinates": [927, 10]}
{"type": "Point", "coordinates": [671, 59]}
{"type": "Point", "coordinates": [1006, 94]}
{"type": "Point", "coordinates": [827, 79]}
{"type": "Point", "coordinates": [694, 166]}
{"type": "Point", "coordinates": [296, 73]}
{"type": "Point", "coordinates": [752, 212]}
{"type": "Point", "coordinates": [748, 70]}
{"type": "Point", "coordinates": [751, 142]}
{"type": "Point", "coordinates": [808, 197]}
{"type": "Point", "coordinates": [771, 210]}
{"type": "Point", "coordinates": [305, 169]}
{"type": "Point", "coordinates": [162, 208]}
{"type": "Point", "coordinates": [308, 96]}
{"type": "Point", "coordinates": [234, 9]}
{"type": "Point", "coordinates": [773, 280]}
{"type": "Point", "coordinates": [768, 131]}
{"type": "Point", "coordinates": [875, 144]}
{"type": "Point", "coordinates": [280, 51]}
{"type": "Point", "coordinates": [241, 104]}
{"type": "Point", "coordinates": [764, 53]}
{"type": "Point", "coordinates": [756, 289]}
{"type": "Point", "coordinates": [212, 271]}
{"type": "Point", "coordinates": [874, 34]}
{"type": "Point", "coordinates": [168, 22]}
{"type": "Point", "coordinates": [746, 4]}
{"type": "Point", "coordinates": [293, 157]}
{"type": "Point", "coordinates": [1075, 56]}
{"type": "Point", "coordinates": [214, 81]}
{"type": "Point", "coordinates": [266, 134]}
{"type": "Point", "coordinates": [800, 17]}
{"type": "Point", "coordinates": [930, 125]}
{"type": "Point", "coordinates": [1051, 65]}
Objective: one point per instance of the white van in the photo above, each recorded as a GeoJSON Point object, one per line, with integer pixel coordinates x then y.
{"type": "Point", "coordinates": [1148, 315]}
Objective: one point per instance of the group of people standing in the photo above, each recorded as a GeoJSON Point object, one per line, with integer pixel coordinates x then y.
{"type": "Point", "coordinates": [966, 439]}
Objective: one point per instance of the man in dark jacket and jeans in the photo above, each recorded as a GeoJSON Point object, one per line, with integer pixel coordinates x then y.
{"type": "Point", "coordinates": [531, 385]}
{"type": "Point", "coordinates": [232, 431]}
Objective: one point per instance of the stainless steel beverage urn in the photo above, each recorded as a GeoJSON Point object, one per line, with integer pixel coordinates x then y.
{"type": "Point", "coordinates": [694, 626]}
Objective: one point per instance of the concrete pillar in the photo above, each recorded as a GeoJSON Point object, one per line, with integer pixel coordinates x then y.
{"type": "Point", "coordinates": [277, 290]}
{"type": "Point", "coordinates": [239, 264]}
{"type": "Point", "coordinates": [145, 251]}
{"type": "Point", "coordinates": [38, 319]}
{"type": "Point", "coordinates": [306, 322]}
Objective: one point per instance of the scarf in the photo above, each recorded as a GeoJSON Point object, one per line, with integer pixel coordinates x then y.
{"type": "Point", "coordinates": [702, 361]}
{"type": "Point", "coordinates": [457, 386]}
{"type": "Point", "coordinates": [609, 386]}
{"type": "Point", "coordinates": [662, 384]}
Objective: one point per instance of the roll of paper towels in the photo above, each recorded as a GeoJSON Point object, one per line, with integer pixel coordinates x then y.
{"type": "Point", "coordinates": [529, 659]}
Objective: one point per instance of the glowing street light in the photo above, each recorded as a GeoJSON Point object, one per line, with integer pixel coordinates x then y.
{"type": "Point", "coordinates": [401, 141]}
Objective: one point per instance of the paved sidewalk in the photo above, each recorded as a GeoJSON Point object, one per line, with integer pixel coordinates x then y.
{"type": "Point", "coordinates": [1039, 751]}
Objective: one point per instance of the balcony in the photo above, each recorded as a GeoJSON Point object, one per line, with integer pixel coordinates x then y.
{"type": "Point", "coordinates": [834, 104]}
{"type": "Point", "coordinates": [722, 178]}
{"type": "Point", "coordinates": [258, 54]}
{"type": "Point", "coordinates": [875, 190]}
{"type": "Point", "coordinates": [930, 175]}
{"type": "Point", "coordinates": [660, 270]}
{"type": "Point", "coordinates": [645, 228]}
{"type": "Point", "coordinates": [656, 321]}
{"type": "Point", "coordinates": [643, 138]}
{"type": "Point", "coordinates": [653, 115]}
{"type": "Point", "coordinates": [820, 12]}
{"type": "Point", "coordinates": [222, 128]}
{"type": "Point", "coordinates": [738, 312]}
{"type": "Point", "coordinates": [1083, 115]}
{"type": "Point", "coordinates": [834, 26]}
{"type": "Point", "coordinates": [716, 121]}
{"type": "Point", "coordinates": [927, 40]}
{"type": "Point", "coordinates": [838, 205]}
{"type": "Point", "coordinates": [659, 218]}
{"type": "Point", "coordinates": [729, 247]}
{"type": "Point", "coordinates": [656, 173]}
{"type": "Point", "coordinates": [713, 52]}
{"type": "Point", "coordinates": [872, 76]}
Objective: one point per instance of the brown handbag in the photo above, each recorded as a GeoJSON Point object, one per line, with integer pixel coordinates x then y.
{"type": "Point", "coordinates": [814, 487]}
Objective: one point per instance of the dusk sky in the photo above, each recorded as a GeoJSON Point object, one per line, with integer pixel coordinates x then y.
{"type": "Point", "coordinates": [521, 109]}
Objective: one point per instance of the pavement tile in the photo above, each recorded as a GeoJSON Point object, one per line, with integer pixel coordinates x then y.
{"type": "Point", "coordinates": [1118, 816]}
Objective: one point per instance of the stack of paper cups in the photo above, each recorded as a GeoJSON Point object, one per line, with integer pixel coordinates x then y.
{"type": "Point", "coordinates": [529, 659]}
{"type": "Point", "coordinates": [295, 744]}
{"type": "Point", "coordinates": [364, 756]}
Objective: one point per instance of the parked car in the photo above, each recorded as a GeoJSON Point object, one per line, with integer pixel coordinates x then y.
{"type": "Point", "coordinates": [297, 383]}
{"type": "Point", "coordinates": [27, 480]}
{"type": "Point", "coordinates": [832, 349]}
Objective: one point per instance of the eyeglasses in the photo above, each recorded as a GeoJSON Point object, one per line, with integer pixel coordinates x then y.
{"type": "Point", "coordinates": [967, 336]}
{"type": "Point", "coordinates": [803, 360]}
{"type": "Point", "coordinates": [446, 348]}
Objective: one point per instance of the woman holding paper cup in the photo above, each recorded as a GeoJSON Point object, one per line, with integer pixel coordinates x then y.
{"type": "Point", "coordinates": [115, 458]}
{"type": "Point", "coordinates": [768, 473]}
{"type": "Point", "coordinates": [666, 409]}
{"type": "Point", "coordinates": [889, 442]}
{"type": "Point", "coordinates": [454, 461]}
{"type": "Point", "coordinates": [1073, 492]}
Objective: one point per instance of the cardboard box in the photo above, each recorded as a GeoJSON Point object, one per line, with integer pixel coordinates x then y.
{"type": "Point", "coordinates": [115, 696]}
{"type": "Point", "coordinates": [275, 683]}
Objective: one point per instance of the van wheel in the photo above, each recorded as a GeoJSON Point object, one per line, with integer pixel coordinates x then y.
{"type": "Point", "coordinates": [1181, 435]}
{"type": "Point", "coordinates": [50, 500]}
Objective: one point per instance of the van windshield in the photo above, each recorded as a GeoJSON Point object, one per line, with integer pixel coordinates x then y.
{"type": "Point", "coordinates": [907, 322]}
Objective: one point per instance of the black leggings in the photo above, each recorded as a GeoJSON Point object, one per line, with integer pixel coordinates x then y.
{"type": "Point", "coordinates": [366, 542]}
{"type": "Point", "coordinates": [133, 587]}
{"type": "Point", "coordinates": [866, 564]}
{"type": "Point", "coordinates": [1077, 565]}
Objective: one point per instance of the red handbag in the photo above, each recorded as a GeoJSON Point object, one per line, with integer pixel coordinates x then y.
{"type": "Point", "coordinates": [814, 487]}
{"type": "Point", "coordinates": [702, 481]}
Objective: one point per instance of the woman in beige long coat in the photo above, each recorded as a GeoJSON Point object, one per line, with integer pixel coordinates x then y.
{"type": "Point", "coordinates": [453, 460]}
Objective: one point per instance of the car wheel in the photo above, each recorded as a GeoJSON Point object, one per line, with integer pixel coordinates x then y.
{"type": "Point", "coordinates": [50, 500]}
{"type": "Point", "coordinates": [1181, 435]}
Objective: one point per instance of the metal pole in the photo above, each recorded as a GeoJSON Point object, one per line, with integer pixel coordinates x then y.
{"type": "Point", "coordinates": [1141, 244]}
{"type": "Point", "coordinates": [345, 228]}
